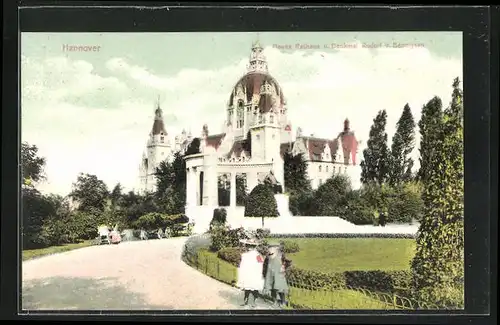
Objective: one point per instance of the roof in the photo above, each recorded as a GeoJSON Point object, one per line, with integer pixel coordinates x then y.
{"type": "Point", "coordinates": [251, 84]}
{"type": "Point", "coordinates": [158, 125]}
{"type": "Point", "coordinates": [214, 140]}
{"type": "Point", "coordinates": [238, 148]}
{"type": "Point", "coordinates": [316, 146]}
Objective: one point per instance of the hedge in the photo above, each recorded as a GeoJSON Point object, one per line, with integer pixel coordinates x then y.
{"type": "Point", "coordinates": [231, 255]}
{"type": "Point", "coordinates": [382, 281]}
{"type": "Point", "coordinates": [343, 235]}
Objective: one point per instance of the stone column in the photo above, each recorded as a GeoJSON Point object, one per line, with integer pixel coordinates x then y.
{"type": "Point", "coordinates": [195, 180]}
{"type": "Point", "coordinates": [189, 185]}
{"type": "Point", "coordinates": [232, 195]}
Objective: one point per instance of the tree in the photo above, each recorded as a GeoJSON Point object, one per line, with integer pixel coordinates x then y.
{"type": "Point", "coordinates": [295, 169]}
{"type": "Point", "coordinates": [31, 164]}
{"type": "Point", "coordinates": [116, 195]}
{"type": "Point", "coordinates": [406, 204]}
{"type": "Point", "coordinates": [261, 203]}
{"type": "Point", "coordinates": [330, 198]}
{"type": "Point", "coordinates": [171, 185]}
{"type": "Point", "coordinates": [430, 121]}
{"type": "Point", "coordinates": [438, 265]}
{"type": "Point", "coordinates": [194, 147]}
{"type": "Point", "coordinates": [297, 184]}
{"type": "Point", "coordinates": [90, 192]}
{"type": "Point", "coordinates": [375, 165]}
{"type": "Point", "coordinates": [403, 143]}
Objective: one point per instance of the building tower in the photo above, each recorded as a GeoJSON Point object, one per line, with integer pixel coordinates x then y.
{"type": "Point", "coordinates": [159, 148]}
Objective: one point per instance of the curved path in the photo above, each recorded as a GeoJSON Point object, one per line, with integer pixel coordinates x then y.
{"type": "Point", "coordinates": [132, 275]}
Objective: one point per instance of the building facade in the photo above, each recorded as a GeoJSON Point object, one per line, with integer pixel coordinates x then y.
{"type": "Point", "coordinates": [256, 134]}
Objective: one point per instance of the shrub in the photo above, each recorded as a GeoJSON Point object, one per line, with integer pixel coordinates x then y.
{"type": "Point", "coordinates": [223, 237]}
{"type": "Point", "coordinates": [219, 218]}
{"type": "Point", "coordinates": [262, 233]}
{"type": "Point", "coordinates": [359, 211]}
{"type": "Point", "coordinates": [231, 255]}
{"type": "Point", "coordinates": [290, 247]}
{"type": "Point", "coordinates": [344, 235]}
{"type": "Point", "coordinates": [301, 203]}
{"type": "Point", "coordinates": [331, 197]}
{"type": "Point", "coordinates": [407, 204]}
{"type": "Point", "coordinates": [261, 203]}
{"type": "Point", "coordinates": [383, 281]}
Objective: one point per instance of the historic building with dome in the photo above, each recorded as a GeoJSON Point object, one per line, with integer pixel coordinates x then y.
{"type": "Point", "coordinates": [256, 134]}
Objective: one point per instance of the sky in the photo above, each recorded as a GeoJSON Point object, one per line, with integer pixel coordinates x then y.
{"type": "Point", "coordinates": [91, 112]}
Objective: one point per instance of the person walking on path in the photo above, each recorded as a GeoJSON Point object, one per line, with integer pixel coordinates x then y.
{"type": "Point", "coordinates": [250, 278]}
{"type": "Point", "coordinates": [274, 272]}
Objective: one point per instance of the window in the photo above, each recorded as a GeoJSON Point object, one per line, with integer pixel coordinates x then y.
{"type": "Point", "coordinates": [319, 168]}
{"type": "Point", "coordinates": [257, 137]}
{"type": "Point", "coordinates": [240, 114]}
{"type": "Point", "coordinates": [345, 170]}
{"type": "Point", "coordinates": [320, 182]}
{"type": "Point", "coordinates": [162, 139]}
{"type": "Point", "coordinates": [326, 168]}
{"type": "Point", "coordinates": [334, 169]}
{"type": "Point", "coordinates": [271, 118]}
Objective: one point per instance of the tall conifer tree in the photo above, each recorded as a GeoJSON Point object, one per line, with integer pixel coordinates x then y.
{"type": "Point", "coordinates": [431, 117]}
{"type": "Point", "coordinates": [403, 143]}
{"type": "Point", "coordinates": [375, 164]}
{"type": "Point", "coordinates": [438, 265]}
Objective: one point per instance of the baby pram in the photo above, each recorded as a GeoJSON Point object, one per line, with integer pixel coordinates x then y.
{"type": "Point", "coordinates": [103, 237]}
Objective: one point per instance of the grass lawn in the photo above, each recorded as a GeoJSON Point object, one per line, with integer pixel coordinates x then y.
{"type": "Point", "coordinates": [34, 253]}
{"type": "Point", "coordinates": [349, 254]}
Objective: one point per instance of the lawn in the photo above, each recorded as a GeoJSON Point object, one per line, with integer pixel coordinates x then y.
{"type": "Point", "coordinates": [353, 254]}
{"type": "Point", "coordinates": [34, 253]}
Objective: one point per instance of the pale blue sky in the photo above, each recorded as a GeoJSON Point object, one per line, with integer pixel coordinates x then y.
{"type": "Point", "coordinates": [92, 111]}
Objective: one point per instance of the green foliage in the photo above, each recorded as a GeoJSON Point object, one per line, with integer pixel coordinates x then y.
{"type": "Point", "coordinates": [290, 246]}
{"type": "Point", "coordinates": [171, 185]}
{"type": "Point", "coordinates": [153, 221]}
{"type": "Point", "coordinates": [262, 233]}
{"type": "Point", "coordinates": [36, 210]}
{"type": "Point", "coordinates": [261, 203]}
{"type": "Point", "coordinates": [438, 266]}
{"type": "Point", "coordinates": [231, 255]}
{"type": "Point", "coordinates": [359, 211]}
{"type": "Point", "coordinates": [194, 147]}
{"type": "Point", "coordinates": [90, 192]}
{"type": "Point", "coordinates": [376, 162]}
{"type": "Point", "coordinates": [295, 169]}
{"type": "Point", "coordinates": [383, 281]}
{"type": "Point", "coordinates": [219, 218]}
{"type": "Point", "coordinates": [407, 204]}
{"type": "Point", "coordinates": [31, 164]}
{"type": "Point", "coordinates": [223, 236]}
{"type": "Point", "coordinates": [301, 203]}
{"type": "Point", "coordinates": [429, 125]}
{"type": "Point", "coordinates": [331, 197]}
{"type": "Point", "coordinates": [403, 143]}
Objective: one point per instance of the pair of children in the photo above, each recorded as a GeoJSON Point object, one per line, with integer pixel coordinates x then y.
{"type": "Point", "coordinates": [257, 273]}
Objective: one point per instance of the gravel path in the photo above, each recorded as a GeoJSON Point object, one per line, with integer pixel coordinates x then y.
{"type": "Point", "coordinates": [132, 275]}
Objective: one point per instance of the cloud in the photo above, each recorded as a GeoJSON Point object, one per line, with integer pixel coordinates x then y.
{"type": "Point", "coordinates": [98, 122]}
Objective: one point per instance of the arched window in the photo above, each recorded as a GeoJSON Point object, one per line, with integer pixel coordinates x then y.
{"type": "Point", "coordinates": [334, 169]}
{"type": "Point", "coordinates": [326, 168]}
{"type": "Point", "coordinates": [240, 115]}
{"type": "Point", "coordinates": [319, 168]}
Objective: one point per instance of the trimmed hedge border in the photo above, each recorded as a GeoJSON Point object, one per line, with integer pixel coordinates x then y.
{"type": "Point", "coordinates": [344, 235]}
{"type": "Point", "coordinates": [380, 281]}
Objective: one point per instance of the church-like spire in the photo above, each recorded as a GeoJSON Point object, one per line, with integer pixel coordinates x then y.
{"type": "Point", "coordinates": [158, 125]}
{"type": "Point", "coordinates": [258, 61]}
